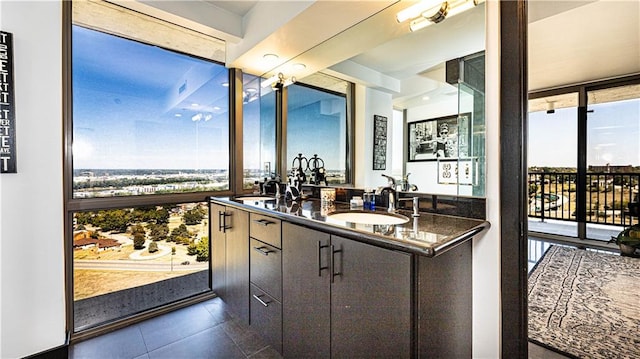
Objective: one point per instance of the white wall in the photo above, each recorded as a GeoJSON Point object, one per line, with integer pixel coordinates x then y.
{"type": "Point", "coordinates": [32, 284]}
{"type": "Point", "coordinates": [370, 102]}
{"type": "Point", "coordinates": [486, 249]}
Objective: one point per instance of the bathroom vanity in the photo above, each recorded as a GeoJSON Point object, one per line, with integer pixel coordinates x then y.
{"type": "Point", "coordinates": [314, 284]}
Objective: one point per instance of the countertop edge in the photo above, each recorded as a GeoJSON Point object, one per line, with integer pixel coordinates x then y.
{"type": "Point", "coordinates": [369, 238]}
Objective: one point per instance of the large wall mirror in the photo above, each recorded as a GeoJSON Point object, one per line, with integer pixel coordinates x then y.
{"type": "Point", "coordinates": [426, 85]}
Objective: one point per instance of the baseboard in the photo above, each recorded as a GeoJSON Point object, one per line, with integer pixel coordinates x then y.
{"type": "Point", "coordinates": [61, 352]}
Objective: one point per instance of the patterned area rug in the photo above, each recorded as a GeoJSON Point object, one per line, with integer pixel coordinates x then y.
{"type": "Point", "coordinates": [586, 304]}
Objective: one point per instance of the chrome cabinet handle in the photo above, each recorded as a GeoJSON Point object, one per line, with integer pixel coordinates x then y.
{"type": "Point", "coordinates": [263, 250]}
{"type": "Point", "coordinates": [257, 297]}
{"type": "Point", "coordinates": [333, 263]}
{"type": "Point", "coordinates": [263, 222]}
{"type": "Point", "coordinates": [320, 267]}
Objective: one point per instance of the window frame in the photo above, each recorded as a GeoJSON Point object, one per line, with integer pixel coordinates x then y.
{"type": "Point", "coordinates": [73, 205]}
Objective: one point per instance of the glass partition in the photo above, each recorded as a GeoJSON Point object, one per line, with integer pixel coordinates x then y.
{"type": "Point", "coordinates": [259, 130]}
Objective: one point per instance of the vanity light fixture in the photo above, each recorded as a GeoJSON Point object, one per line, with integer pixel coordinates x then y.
{"type": "Point", "coordinates": [273, 79]}
{"type": "Point", "coordinates": [436, 13]}
{"type": "Point", "coordinates": [416, 10]}
{"type": "Point", "coordinates": [278, 81]}
{"type": "Point", "coordinates": [289, 81]}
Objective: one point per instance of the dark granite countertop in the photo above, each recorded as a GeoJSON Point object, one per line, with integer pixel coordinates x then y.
{"type": "Point", "coordinates": [427, 235]}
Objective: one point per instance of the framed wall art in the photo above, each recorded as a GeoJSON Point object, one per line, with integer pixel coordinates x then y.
{"type": "Point", "coordinates": [379, 142]}
{"type": "Point", "coordinates": [439, 138]}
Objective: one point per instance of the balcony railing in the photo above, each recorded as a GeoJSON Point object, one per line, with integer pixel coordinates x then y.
{"type": "Point", "coordinates": [552, 195]}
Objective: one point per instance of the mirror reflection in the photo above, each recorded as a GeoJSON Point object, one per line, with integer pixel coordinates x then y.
{"type": "Point", "coordinates": [418, 116]}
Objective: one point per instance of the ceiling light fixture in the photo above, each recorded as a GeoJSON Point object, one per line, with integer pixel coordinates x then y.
{"type": "Point", "coordinates": [433, 12]}
{"type": "Point", "coordinates": [551, 107]}
{"type": "Point", "coordinates": [299, 66]}
{"type": "Point", "coordinates": [270, 58]}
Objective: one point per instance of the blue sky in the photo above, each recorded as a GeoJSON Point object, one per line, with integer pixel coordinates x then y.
{"type": "Point", "coordinates": [130, 110]}
{"type": "Point", "coordinates": [134, 108]}
{"type": "Point", "coordinates": [613, 136]}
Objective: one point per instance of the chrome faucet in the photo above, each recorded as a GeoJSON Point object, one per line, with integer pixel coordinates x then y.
{"type": "Point", "coordinates": [391, 196]}
{"type": "Point", "coordinates": [391, 181]}
{"type": "Point", "coordinates": [416, 204]}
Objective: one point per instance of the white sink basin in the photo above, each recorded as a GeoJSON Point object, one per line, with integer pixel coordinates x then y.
{"type": "Point", "coordinates": [363, 217]}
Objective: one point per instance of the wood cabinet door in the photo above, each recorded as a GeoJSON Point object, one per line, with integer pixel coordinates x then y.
{"type": "Point", "coordinates": [305, 293]}
{"type": "Point", "coordinates": [237, 263]}
{"type": "Point", "coordinates": [370, 301]}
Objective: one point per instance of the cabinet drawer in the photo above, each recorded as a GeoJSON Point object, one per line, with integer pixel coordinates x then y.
{"type": "Point", "coordinates": [266, 317]}
{"type": "Point", "coordinates": [266, 268]}
{"type": "Point", "coordinates": [265, 229]}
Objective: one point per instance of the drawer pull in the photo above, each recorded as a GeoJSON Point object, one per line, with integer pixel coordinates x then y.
{"type": "Point", "coordinates": [263, 222]}
{"type": "Point", "coordinates": [333, 263]}
{"type": "Point", "coordinates": [222, 220]}
{"type": "Point", "coordinates": [257, 297]}
{"type": "Point", "coordinates": [263, 250]}
{"type": "Point", "coordinates": [320, 267]}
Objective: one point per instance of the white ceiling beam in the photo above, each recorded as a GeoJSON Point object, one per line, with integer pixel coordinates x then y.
{"type": "Point", "coordinates": [198, 15]}
{"type": "Point", "coordinates": [354, 72]}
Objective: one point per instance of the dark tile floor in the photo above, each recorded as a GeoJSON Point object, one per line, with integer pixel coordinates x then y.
{"type": "Point", "coordinates": [203, 330]}
{"type": "Point", "coordinates": [206, 330]}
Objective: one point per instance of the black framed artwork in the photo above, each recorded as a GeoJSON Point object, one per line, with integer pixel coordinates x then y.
{"type": "Point", "coordinates": [379, 142]}
{"type": "Point", "coordinates": [445, 137]}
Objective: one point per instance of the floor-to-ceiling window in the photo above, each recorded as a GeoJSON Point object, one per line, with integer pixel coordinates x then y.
{"type": "Point", "coordinates": [584, 159]}
{"type": "Point", "coordinates": [613, 157]}
{"type": "Point", "coordinates": [552, 156]}
{"type": "Point", "coordinates": [148, 134]}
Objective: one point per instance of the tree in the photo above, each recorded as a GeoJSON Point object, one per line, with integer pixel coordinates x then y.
{"type": "Point", "coordinates": [138, 228]}
{"type": "Point", "coordinates": [83, 218]}
{"type": "Point", "coordinates": [192, 249]}
{"type": "Point", "coordinates": [153, 247]}
{"type": "Point", "coordinates": [161, 216]}
{"type": "Point", "coordinates": [158, 231]}
{"type": "Point", "coordinates": [203, 250]}
{"type": "Point", "coordinates": [180, 234]}
{"type": "Point", "coordinates": [138, 240]}
{"type": "Point", "coordinates": [193, 216]}
{"type": "Point", "coordinates": [112, 220]}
